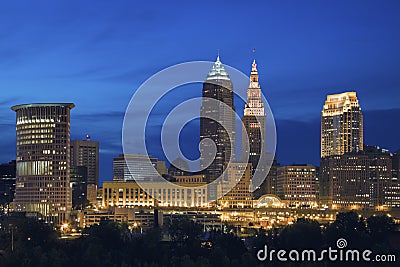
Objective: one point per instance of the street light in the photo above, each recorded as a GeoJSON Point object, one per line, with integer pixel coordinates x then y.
{"type": "Point", "coordinates": [64, 227]}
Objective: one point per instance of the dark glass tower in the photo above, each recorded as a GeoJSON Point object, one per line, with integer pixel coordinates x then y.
{"type": "Point", "coordinates": [254, 120]}
{"type": "Point", "coordinates": [218, 86]}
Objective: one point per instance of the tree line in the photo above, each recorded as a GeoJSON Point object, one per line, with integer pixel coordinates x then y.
{"type": "Point", "coordinates": [182, 242]}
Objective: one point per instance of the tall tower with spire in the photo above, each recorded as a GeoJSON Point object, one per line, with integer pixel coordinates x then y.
{"type": "Point", "coordinates": [218, 86]}
{"type": "Point", "coordinates": [254, 120]}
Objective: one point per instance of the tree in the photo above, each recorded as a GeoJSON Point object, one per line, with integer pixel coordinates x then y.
{"type": "Point", "coordinates": [182, 229]}
{"type": "Point", "coordinates": [304, 234]}
{"type": "Point", "coordinates": [350, 226]}
{"type": "Point", "coordinates": [380, 227]}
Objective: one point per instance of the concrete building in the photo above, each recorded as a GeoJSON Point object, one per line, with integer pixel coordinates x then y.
{"type": "Point", "coordinates": [359, 180]}
{"type": "Point", "coordinates": [86, 153]}
{"type": "Point", "coordinates": [239, 196]}
{"type": "Point", "coordinates": [43, 160]}
{"type": "Point", "coordinates": [198, 178]}
{"type": "Point", "coordinates": [297, 184]}
{"type": "Point", "coordinates": [137, 219]}
{"type": "Point", "coordinates": [130, 194]}
{"type": "Point", "coordinates": [92, 192]}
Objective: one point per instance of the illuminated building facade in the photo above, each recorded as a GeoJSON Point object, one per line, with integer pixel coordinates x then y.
{"type": "Point", "coordinates": [218, 86]}
{"type": "Point", "coordinates": [254, 120]}
{"type": "Point", "coordinates": [297, 184]}
{"type": "Point", "coordinates": [341, 125]}
{"type": "Point", "coordinates": [86, 153]}
{"type": "Point", "coordinates": [130, 194]}
{"type": "Point", "coordinates": [357, 180]}
{"type": "Point", "coordinates": [43, 160]}
{"type": "Point", "coordinates": [198, 178]}
{"type": "Point", "coordinates": [134, 218]}
{"type": "Point", "coordinates": [240, 195]}
{"type": "Point", "coordinates": [392, 197]}
{"type": "Point", "coordinates": [130, 167]}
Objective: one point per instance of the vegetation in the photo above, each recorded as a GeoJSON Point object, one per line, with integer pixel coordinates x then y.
{"type": "Point", "coordinates": [111, 244]}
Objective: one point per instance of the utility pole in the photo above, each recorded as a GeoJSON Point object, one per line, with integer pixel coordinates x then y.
{"type": "Point", "coordinates": [12, 238]}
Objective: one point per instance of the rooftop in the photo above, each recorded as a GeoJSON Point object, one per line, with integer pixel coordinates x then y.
{"type": "Point", "coordinates": [32, 105]}
{"type": "Point", "coordinates": [218, 71]}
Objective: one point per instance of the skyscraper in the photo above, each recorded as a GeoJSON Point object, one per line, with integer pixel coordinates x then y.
{"type": "Point", "coordinates": [86, 153]}
{"type": "Point", "coordinates": [254, 120]}
{"type": "Point", "coordinates": [43, 160]}
{"type": "Point", "coordinates": [218, 86]}
{"type": "Point", "coordinates": [341, 125]}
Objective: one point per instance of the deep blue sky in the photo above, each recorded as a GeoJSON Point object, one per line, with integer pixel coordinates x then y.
{"type": "Point", "coordinates": [96, 53]}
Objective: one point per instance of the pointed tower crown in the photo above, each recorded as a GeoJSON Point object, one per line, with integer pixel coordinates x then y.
{"type": "Point", "coordinates": [218, 71]}
{"type": "Point", "coordinates": [254, 105]}
{"type": "Point", "coordinates": [254, 72]}
{"type": "Point", "coordinates": [254, 67]}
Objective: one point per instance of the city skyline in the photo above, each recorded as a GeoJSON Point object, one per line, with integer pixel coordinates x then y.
{"type": "Point", "coordinates": [362, 57]}
{"type": "Point", "coordinates": [209, 133]}
{"type": "Point", "coordinates": [298, 161]}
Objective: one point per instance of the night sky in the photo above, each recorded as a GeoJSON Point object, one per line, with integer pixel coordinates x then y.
{"type": "Point", "coordinates": [97, 53]}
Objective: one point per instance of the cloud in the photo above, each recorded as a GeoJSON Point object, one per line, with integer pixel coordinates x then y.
{"type": "Point", "coordinates": [99, 116]}
{"type": "Point", "coordinates": [7, 103]}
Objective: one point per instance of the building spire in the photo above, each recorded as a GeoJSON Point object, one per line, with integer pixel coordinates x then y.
{"type": "Point", "coordinates": [254, 105]}
{"type": "Point", "coordinates": [218, 71]}
{"type": "Point", "coordinates": [254, 75]}
{"type": "Point", "coordinates": [254, 67]}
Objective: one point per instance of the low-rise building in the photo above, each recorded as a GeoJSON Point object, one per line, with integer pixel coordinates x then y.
{"type": "Point", "coordinates": [131, 194]}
